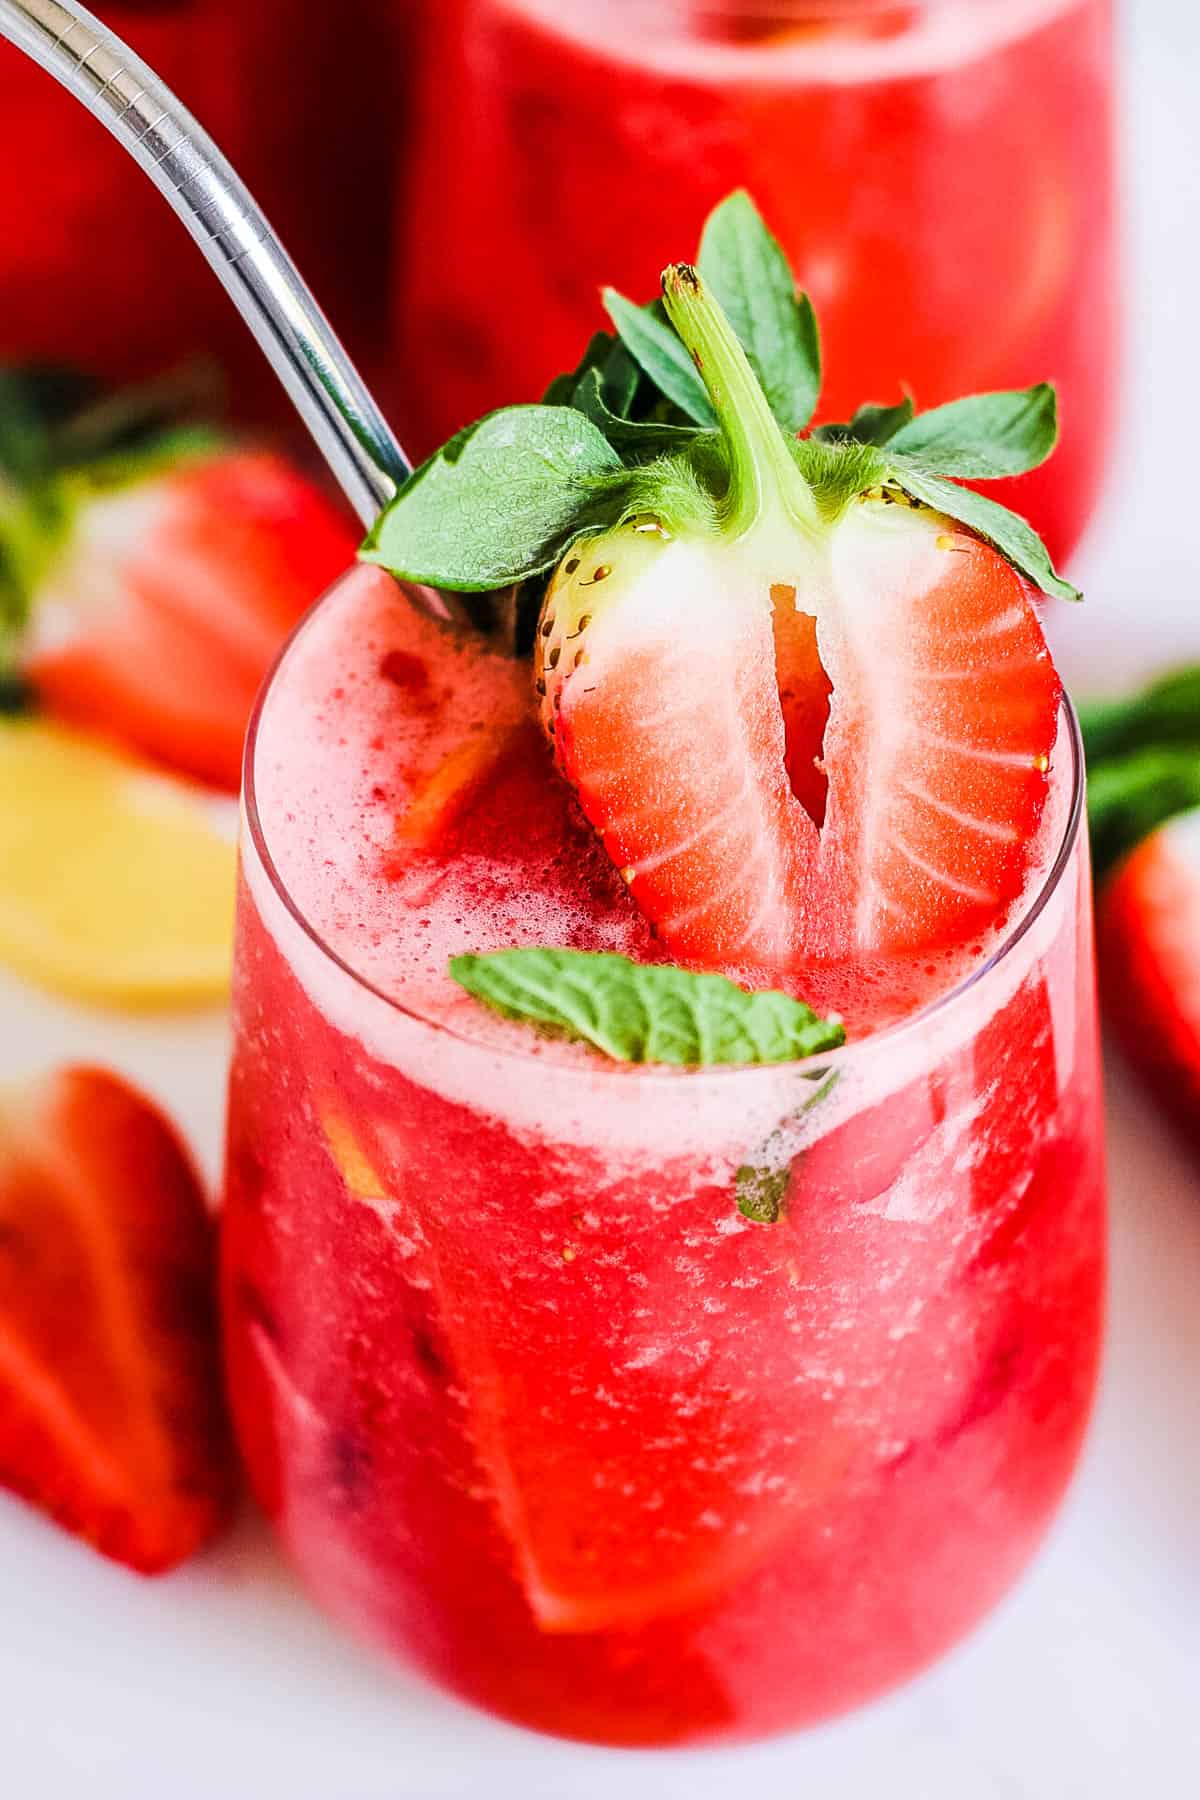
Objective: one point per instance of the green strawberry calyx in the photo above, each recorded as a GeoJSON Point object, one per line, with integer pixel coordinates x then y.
{"type": "Point", "coordinates": [697, 411]}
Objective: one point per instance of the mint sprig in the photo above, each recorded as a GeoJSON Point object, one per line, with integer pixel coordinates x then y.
{"type": "Point", "coordinates": [645, 1012]}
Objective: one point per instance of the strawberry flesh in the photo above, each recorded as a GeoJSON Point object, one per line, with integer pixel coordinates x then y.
{"type": "Point", "coordinates": [665, 714]}
{"type": "Point", "coordinates": [847, 764]}
{"type": "Point", "coordinates": [111, 1413]}
{"type": "Point", "coordinates": [943, 719]}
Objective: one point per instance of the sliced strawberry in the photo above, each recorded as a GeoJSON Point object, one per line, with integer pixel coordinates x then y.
{"type": "Point", "coordinates": [942, 724]}
{"type": "Point", "coordinates": [162, 610]}
{"type": "Point", "coordinates": [658, 663]}
{"type": "Point", "coordinates": [1148, 927]}
{"type": "Point", "coordinates": [850, 759]}
{"type": "Point", "coordinates": [111, 1416]}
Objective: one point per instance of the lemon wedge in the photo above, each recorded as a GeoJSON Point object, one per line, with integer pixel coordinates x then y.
{"type": "Point", "coordinates": [116, 882]}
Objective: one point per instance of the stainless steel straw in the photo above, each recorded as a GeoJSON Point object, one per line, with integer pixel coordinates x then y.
{"type": "Point", "coordinates": [260, 278]}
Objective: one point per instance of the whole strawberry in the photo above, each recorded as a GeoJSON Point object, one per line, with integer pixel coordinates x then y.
{"type": "Point", "coordinates": [146, 590]}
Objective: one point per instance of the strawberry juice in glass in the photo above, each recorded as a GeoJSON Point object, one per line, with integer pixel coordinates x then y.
{"type": "Point", "coordinates": [641, 1405]}
{"type": "Point", "coordinates": [940, 174]}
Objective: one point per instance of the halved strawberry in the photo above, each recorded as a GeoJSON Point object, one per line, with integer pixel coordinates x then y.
{"type": "Point", "coordinates": [1148, 939]}
{"type": "Point", "coordinates": [161, 601]}
{"type": "Point", "coordinates": [802, 731]}
{"type": "Point", "coordinates": [111, 1413]}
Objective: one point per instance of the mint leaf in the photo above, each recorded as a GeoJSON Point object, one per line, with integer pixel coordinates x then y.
{"type": "Point", "coordinates": [500, 501]}
{"type": "Point", "coordinates": [630, 437]}
{"type": "Point", "coordinates": [645, 1012]}
{"type": "Point", "coordinates": [984, 436]}
{"type": "Point", "coordinates": [871, 424]}
{"type": "Point", "coordinates": [761, 1186]}
{"type": "Point", "coordinates": [747, 270]}
{"type": "Point", "coordinates": [656, 349]}
{"type": "Point", "coordinates": [1132, 795]}
{"type": "Point", "coordinates": [1006, 530]}
{"type": "Point", "coordinates": [1165, 712]}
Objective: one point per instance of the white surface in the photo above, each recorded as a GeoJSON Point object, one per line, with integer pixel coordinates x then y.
{"type": "Point", "coordinates": [224, 1682]}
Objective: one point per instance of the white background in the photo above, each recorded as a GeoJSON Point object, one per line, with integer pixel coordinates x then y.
{"type": "Point", "coordinates": [223, 1682]}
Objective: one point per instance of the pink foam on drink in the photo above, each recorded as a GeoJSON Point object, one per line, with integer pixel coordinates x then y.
{"type": "Point", "coordinates": [372, 700]}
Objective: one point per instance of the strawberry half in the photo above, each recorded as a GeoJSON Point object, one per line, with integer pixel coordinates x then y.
{"type": "Point", "coordinates": [802, 733]}
{"type": "Point", "coordinates": [159, 603]}
{"type": "Point", "coordinates": [111, 1413]}
{"type": "Point", "coordinates": [797, 682]}
{"type": "Point", "coordinates": [1148, 940]}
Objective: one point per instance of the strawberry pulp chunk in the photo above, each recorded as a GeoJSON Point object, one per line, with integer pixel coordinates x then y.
{"type": "Point", "coordinates": [527, 1396]}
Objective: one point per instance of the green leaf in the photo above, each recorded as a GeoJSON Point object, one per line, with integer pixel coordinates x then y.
{"type": "Point", "coordinates": [630, 437]}
{"type": "Point", "coordinates": [747, 270]}
{"type": "Point", "coordinates": [644, 1012]}
{"type": "Point", "coordinates": [500, 501]}
{"type": "Point", "coordinates": [837, 472]}
{"type": "Point", "coordinates": [871, 424]}
{"type": "Point", "coordinates": [1130, 796]}
{"type": "Point", "coordinates": [1006, 530]}
{"type": "Point", "coordinates": [599, 348]}
{"type": "Point", "coordinates": [761, 1186]}
{"type": "Point", "coordinates": [1165, 712]}
{"type": "Point", "coordinates": [656, 349]}
{"type": "Point", "coordinates": [984, 436]}
{"type": "Point", "coordinates": [36, 400]}
{"type": "Point", "coordinates": [620, 379]}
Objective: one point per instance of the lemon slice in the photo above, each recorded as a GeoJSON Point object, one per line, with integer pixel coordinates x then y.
{"type": "Point", "coordinates": [116, 882]}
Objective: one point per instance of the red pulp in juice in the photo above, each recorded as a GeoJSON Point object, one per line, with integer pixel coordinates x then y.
{"type": "Point", "coordinates": [528, 1397]}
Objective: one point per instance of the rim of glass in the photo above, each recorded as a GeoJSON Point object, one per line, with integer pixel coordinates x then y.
{"type": "Point", "coordinates": [887, 1038]}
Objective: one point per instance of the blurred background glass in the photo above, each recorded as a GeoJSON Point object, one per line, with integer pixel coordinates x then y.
{"type": "Point", "coordinates": [97, 270]}
{"type": "Point", "coordinates": [940, 174]}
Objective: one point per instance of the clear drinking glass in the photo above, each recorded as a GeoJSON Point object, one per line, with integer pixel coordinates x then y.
{"type": "Point", "coordinates": [940, 174]}
{"type": "Point", "coordinates": [533, 1401]}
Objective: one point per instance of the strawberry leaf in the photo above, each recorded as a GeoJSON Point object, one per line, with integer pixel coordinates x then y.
{"type": "Point", "coordinates": [595, 356]}
{"type": "Point", "coordinates": [1166, 712]}
{"type": "Point", "coordinates": [871, 424]}
{"type": "Point", "coordinates": [1132, 795]}
{"type": "Point", "coordinates": [499, 501]}
{"type": "Point", "coordinates": [657, 350]}
{"type": "Point", "coordinates": [984, 436]}
{"type": "Point", "coordinates": [645, 1012]}
{"type": "Point", "coordinates": [1006, 530]}
{"type": "Point", "coordinates": [747, 270]}
{"type": "Point", "coordinates": [630, 437]}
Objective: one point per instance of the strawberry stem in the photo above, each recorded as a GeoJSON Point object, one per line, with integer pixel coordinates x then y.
{"type": "Point", "coordinates": [763, 474]}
